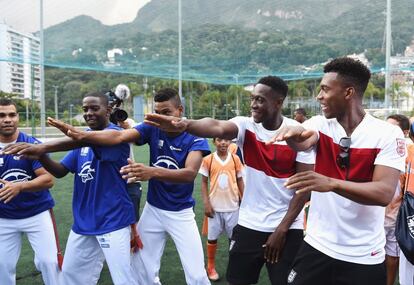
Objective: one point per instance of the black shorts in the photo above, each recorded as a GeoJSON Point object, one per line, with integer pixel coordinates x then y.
{"type": "Point", "coordinates": [313, 267]}
{"type": "Point", "coordinates": [246, 256]}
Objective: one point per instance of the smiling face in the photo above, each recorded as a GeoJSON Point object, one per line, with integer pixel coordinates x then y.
{"type": "Point", "coordinates": [9, 120]}
{"type": "Point", "coordinates": [265, 104]}
{"type": "Point", "coordinates": [332, 96]}
{"type": "Point", "coordinates": [95, 112]}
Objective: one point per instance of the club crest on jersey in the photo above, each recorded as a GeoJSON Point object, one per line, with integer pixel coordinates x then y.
{"type": "Point", "coordinates": [86, 172]}
{"type": "Point", "coordinates": [410, 224]}
{"type": "Point", "coordinates": [401, 147]}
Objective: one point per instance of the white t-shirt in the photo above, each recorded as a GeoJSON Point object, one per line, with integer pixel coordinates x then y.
{"type": "Point", "coordinates": [338, 227]}
{"type": "Point", "coordinates": [265, 200]}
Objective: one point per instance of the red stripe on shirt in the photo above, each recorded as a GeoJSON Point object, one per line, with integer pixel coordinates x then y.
{"type": "Point", "coordinates": [361, 161]}
{"type": "Point", "coordinates": [274, 160]}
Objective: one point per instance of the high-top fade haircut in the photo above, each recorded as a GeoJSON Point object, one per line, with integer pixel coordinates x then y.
{"type": "Point", "coordinates": [102, 97]}
{"type": "Point", "coordinates": [7, 102]}
{"type": "Point", "coordinates": [277, 84]}
{"type": "Point", "coordinates": [351, 72]}
{"type": "Point", "coordinates": [167, 94]}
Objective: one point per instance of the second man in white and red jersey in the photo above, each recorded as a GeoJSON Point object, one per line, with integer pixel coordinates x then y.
{"type": "Point", "coordinates": [357, 167]}
{"type": "Point", "coordinates": [269, 230]}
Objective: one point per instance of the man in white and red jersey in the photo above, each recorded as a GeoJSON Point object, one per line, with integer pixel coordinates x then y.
{"type": "Point", "coordinates": [269, 229]}
{"type": "Point", "coordinates": [357, 167]}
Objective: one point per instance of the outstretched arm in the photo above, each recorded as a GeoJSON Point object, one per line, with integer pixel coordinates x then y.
{"type": "Point", "coordinates": [206, 127]}
{"type": "Point", "coordinates": [10, 190]}
{"type": "Point", "coordinates": [35, 151]}
{"type": "Point", "coordinates": [104, 137]}
{"type": "Point", "coordinates": [297, 137]}
{"type": "Point", "coordinates": [141, 172]}
{"type": "Point", "coordinates": [378, 192]}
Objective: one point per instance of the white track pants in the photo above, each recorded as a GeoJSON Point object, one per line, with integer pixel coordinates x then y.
{"type": "Point", "coordinates": [84, 255]}
{"type": "Point", "coordinates": [153, 227]}
{"type": "Point", "coordinates": [39, 231]}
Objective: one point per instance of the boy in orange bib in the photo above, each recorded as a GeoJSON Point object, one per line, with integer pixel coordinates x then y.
{"type": "Point", "coordinates": [221, 203]}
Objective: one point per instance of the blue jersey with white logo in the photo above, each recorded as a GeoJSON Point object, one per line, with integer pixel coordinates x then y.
{"type": "Point", "coordinates": [171, 153]}
{"type": "Point", "coordinates": [26, 204]}
{"type": "Point", "coordinates": [100, 200]}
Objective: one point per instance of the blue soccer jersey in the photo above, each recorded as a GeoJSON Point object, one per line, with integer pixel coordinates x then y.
{"type": "Point", "coordinates": [100, 200]}
{"type": "Point", "coordinates": [26, 204]}
{"type": "Point", "coordinates": [171, 153]}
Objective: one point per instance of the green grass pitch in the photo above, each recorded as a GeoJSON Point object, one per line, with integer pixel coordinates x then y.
{"type": "Point", "coordinates": [171, 272]}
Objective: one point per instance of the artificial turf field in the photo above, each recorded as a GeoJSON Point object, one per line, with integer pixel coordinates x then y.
{"type": "Point", "coordinates": [171, 272]}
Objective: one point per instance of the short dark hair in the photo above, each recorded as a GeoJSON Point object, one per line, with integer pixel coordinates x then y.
{"type": "Point", "coordinates": [351, 72]}
{"type": "Point", "coordinates": [402, 120]}
{"type": "Point", "coordinates": [301, 111]}
{"type": "Point", "coordinates": [277, 84]}
{"type": "Point", "coordinates": [166, 94]}
{"type": "Point", "coordinates": [101, 95]}
{"type": "Point", "coordinates": [7, 102]}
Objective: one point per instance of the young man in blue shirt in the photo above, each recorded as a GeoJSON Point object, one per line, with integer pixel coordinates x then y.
{"type": "Point", "coordinates": [102, 209]}
{"type": "Point", "coordinates": [25, 202]}
{"type": "Point", "coordinates": [175, 159]}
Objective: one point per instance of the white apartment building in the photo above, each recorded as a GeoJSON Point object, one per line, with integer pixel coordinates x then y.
{"type": "Point", "coordinates": [19, 63]}
{"type": "Point", "coordinates": [402, 73]}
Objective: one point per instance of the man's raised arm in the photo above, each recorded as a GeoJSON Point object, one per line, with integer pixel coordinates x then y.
{"type": "Point", "coordinates": [34, 151]}
{"type": "Point", "coordinates": [103, 137]}
{"type": "Point", "coordinates": [297, 137]}
{"type": "Point", "coordinates": [206, 127]}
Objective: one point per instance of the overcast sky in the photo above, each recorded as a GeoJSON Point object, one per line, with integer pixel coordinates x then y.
{"type": "Point", "coordinates": [23, 15]}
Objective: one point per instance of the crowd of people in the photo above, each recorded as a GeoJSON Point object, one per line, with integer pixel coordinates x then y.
{"type": "Point", "coordinates": [351, 167]}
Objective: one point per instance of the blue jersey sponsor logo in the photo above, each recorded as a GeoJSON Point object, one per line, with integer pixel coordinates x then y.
{"type": "Point", "coordinates": [166, 162]}
{"type": "Point", "coordinates": [16, 175]}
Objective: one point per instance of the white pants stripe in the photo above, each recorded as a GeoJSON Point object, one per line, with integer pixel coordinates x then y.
{"type": "Point", "coordinates": [154, 227]}
{"type": "Point", "coordinates": [39, 231]}
{"type": "Point", "coordinates": [84, 256]}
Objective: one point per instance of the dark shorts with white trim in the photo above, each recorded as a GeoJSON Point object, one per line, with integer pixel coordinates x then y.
{"type": "Point", "coordinates": [313, 267]}
{"type": "Point", "coordinates": [246, 256]}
